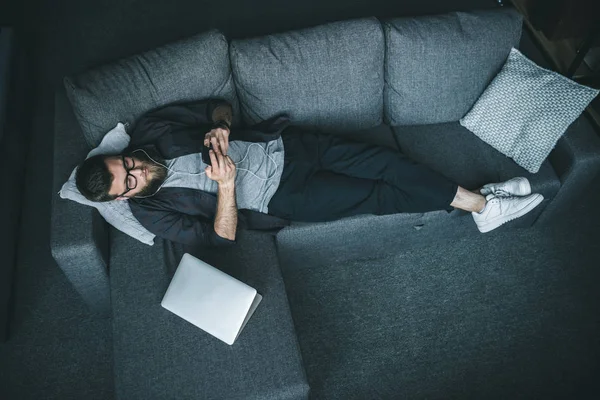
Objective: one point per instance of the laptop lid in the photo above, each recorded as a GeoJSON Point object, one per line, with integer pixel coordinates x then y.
{"type": "Point", "coordinates": [209, 298]}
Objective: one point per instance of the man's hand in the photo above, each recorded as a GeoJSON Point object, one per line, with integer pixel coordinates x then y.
{"type": "Point", "coordinates": [219, 138]}
{"type": "Point", "coordinates": [222, 168]}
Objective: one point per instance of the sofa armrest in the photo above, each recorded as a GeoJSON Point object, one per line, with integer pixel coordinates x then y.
{"type": "Point", "coordinates": [79, 235]}
{"type": "Point", "coordinates": [576, 161]}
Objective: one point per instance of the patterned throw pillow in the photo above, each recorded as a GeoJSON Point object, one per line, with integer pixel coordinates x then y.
{"type": "Point", "coordinates": [525, 110]}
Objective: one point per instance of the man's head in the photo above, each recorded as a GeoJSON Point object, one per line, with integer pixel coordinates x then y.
{"type": "Point", "coordinates": [104, 178]}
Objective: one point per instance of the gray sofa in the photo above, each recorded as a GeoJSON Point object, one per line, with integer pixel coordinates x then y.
{"type": "Point", "coordinates": [400, 83]}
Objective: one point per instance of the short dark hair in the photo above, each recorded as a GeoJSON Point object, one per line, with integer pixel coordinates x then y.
{"type": "Point", "coordinates": [93, 179]}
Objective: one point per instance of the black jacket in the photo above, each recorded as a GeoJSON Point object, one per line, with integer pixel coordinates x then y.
{"type": "Point", "coordinates": [186, 215]}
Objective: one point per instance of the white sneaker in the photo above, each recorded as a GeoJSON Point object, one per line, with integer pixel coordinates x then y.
{"type": "Point", "coordinates": [514, 187]}
{"type": "Point", "coordinates": [499, 210]}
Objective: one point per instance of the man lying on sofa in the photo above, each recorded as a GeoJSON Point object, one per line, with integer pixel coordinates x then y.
{"type": "Point", "coordinates": [187, 185]}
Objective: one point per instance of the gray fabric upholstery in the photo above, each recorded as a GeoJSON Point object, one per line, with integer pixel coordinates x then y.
{"type": "Point", "coordinates": [459, 319]}
{"type": "Point", "coordinates": [160, 356]}
{"type": "Point", "coordinates": [380, 285]}
{"type": "Point", "coordinates": [191, 69]}
{"type": "Point", "coordinates": [457, 153]}
{"type": "Point", "coordinates": [79, 236]}
{"type": "Point", "coordinates": [354, 237]}
{"type": "Point", "coordinates": [330, 76]}
{"type": "Point", "coordinates": [436, 67]}
{"type": "Point", "coordinates": [576, 161]}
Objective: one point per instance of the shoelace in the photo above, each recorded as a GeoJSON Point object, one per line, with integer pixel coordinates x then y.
{"type": "Point", "coordinates": [502, 193]}
{"type": "Point", "coordinates": [500, 196]}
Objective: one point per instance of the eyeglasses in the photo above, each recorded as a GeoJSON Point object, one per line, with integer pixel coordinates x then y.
{"type": "Point", "coordinates": [130, 180]}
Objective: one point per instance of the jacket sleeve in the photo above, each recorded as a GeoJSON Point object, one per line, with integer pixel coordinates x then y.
{"type": "Point", "coordinates": [184, 229]}
{"type": "Point", "coordinates": [179, 129]}
{"type": "Point", "coordinates": [180, 215]}
{"type": "Point", "coordinates": [176, 129]}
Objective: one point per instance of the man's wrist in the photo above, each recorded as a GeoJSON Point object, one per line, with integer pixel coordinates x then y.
{"type": "Point", "coordinates": [226, 185]}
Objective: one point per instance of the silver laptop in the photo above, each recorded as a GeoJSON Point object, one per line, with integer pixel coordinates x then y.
{"type": "Point", "coordinates": [210, 299]}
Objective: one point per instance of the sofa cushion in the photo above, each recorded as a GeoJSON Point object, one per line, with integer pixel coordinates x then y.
{"type": "Point", "coordinates": [370, 236]}
{"type": "Point", "coordinates": [158, 355]}
{"type": "Point", "coordinates": [526, 109]}
{"type": "Point", "coordinates": [191, 69]}
{"type": "Point", "coordinates": [436, 67]}
{"type": "Point", "coordinates": [461, 156]}
{"type": "Point", "coordinates": [330, 76]}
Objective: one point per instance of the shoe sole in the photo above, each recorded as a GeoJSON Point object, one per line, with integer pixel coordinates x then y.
{"type": "Point", "coordinates": [490, 226]}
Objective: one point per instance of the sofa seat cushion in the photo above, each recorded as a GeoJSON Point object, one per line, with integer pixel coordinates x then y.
{"type": "Point", "coordinates": [447, 148]}
{"type": "Point", "coordinates": [330, 76]}
{"type": "Point", "coordinates": [191, 69]}
{"type": "Point", "coordinates": [455, 152]}
{"type": "Point", "coordinates": [436, 67]}
{"type": "Point", "coordinates": [158, 355]}
{"type": "Point", "coordinates": [369, 236]}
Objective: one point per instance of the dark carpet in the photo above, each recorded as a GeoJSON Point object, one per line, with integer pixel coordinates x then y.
{"type": "Point", "coordinates": [513, 314]}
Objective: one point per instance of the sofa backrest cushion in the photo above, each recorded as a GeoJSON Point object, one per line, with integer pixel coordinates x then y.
{"type": "Point", "coordinates": [436, 67]}
{"type": "Point", "coordinates": [329, 77]}
{"type": "Point", "coordinates": [187, 70]}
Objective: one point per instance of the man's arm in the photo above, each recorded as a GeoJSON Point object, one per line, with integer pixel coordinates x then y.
{"type": "Point", "coordinates": [222, 170]}
{"type": "Point", "coordinates": [180, 215]}
{"type": "Point", "coordinates": [226, 218]}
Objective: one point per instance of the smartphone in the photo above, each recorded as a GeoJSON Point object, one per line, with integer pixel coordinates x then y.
{"type": "Point", "coordinates": [206, 155]}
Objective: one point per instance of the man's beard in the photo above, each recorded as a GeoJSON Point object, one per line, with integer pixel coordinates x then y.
{"type": "Point", "coordinates": [157, 172]}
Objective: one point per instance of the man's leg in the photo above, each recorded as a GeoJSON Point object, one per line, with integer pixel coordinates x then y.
{"type": "Point", "coordinates": [423, 189]}
{"type": "Point", "coordinates": [327, 178]}
{"type": "Point", "coordinates": [324, 196]}
{"type": "Point", "coordinates": [468, 201]}
{"type": "Point", "coordinates": [323, 182]}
